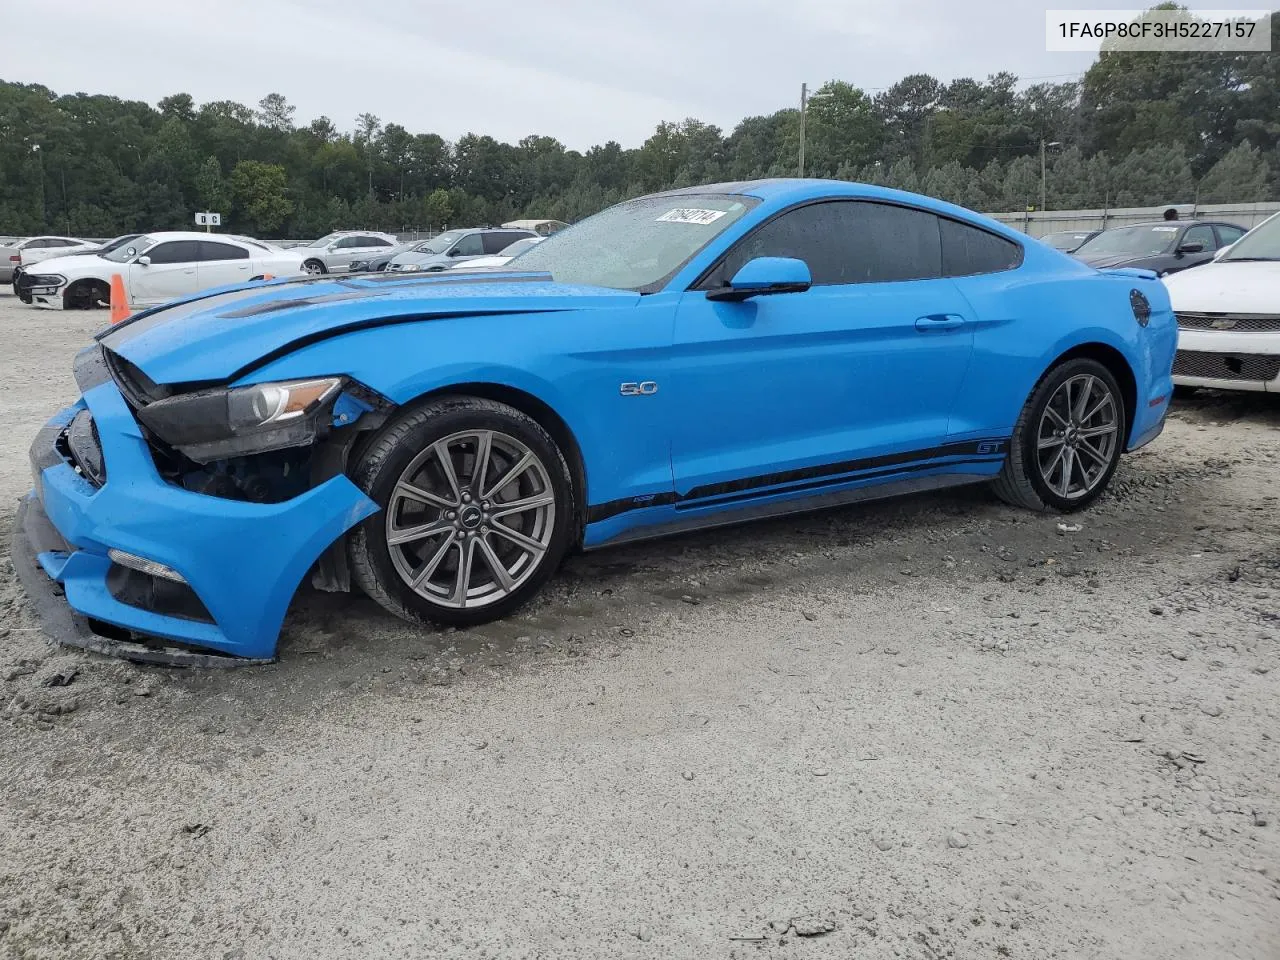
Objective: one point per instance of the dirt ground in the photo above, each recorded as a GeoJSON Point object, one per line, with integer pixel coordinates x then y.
{"type": "Point", "coordinates": [934, 727]}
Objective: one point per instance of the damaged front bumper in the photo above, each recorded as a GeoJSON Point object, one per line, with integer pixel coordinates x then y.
{"type": "Point", "coordinates": [227, 569]}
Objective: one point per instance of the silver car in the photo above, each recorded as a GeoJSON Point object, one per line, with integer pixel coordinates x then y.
{"type": "Point", "coordinates": [456, 246]}
{"type": "Point", "coordinates": [34, 249]}
{"type": "Point", "coordinates": [334, 253]}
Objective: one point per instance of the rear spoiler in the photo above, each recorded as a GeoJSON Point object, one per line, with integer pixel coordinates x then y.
{"type": "Point", "coordinates": [1136, 272]}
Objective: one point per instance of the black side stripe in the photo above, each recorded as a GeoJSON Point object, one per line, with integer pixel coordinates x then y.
{"type": "Point", "coordinates": [808, 478]}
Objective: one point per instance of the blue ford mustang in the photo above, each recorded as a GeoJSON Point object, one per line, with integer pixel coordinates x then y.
{"type": "Point", "coordinates": [679, 361]}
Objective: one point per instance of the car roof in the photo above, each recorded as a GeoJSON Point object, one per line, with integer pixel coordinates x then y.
{"type": "Point", "coordinates": [190, 235]}
{"type": "Point", "coordinates": [780, 192]}
{"type": "Point", "coordinates": [1179, 222]}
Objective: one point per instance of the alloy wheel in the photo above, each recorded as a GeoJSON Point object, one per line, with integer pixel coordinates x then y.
{"type": "Point", "coordinates": [470, 519]}
{"type": "Point", "coordinates": [1077, 436]}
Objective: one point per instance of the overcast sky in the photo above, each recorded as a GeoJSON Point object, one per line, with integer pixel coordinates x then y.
{"type": "Point", "coordinates": [584, 71]}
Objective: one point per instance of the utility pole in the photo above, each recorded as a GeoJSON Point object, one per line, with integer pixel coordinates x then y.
{"type": "Point", "coordinates": [804, 106]}
{"type": "Point", "coordinates": [1043, 178]}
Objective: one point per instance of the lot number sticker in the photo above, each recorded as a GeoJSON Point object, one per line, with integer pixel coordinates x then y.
{"type": "Point", "coordinates": [691, 215]}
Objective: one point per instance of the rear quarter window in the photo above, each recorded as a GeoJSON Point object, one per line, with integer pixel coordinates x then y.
{"type": "Point", "coordinates": [968, 250]}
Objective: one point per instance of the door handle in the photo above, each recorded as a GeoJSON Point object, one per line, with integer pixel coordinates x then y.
{"type": "Point", "coordinates": [939, 321]}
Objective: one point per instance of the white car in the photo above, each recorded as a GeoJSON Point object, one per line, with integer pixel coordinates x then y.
{"type": "Point", "coordinates": [1228, 314]}
{"type": "Point", "coordinates": [23, 253]}
{"type": "Point", "coordinates": [500, 259]}
{"type": "Point", "coordinates": [157, 268]}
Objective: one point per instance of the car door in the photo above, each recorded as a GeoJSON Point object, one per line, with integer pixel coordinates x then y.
{"type": "Point", "coordinates": [345, 249]}
{"type": "Point", "coordinates": [856, 373]}
{"type": "Point", "coordinates": [1184, 256]}
{"type": "Point", "coordinates": [468, 246]}
{"type": "Point", "coordinates": [166, 271]}
{"type": "Point", "coordinates": [222, 263]}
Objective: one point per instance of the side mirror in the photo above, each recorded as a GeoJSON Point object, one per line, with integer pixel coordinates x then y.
{"type": "Point", "coordinates": [765, 275]}
{"type": "Point", "coordinates": [455, 252]}
{"type": "Point", "coordinates": [1194, 247]}
{"type": "Point", "coordinates": [143, 261]}
{"type": "Point", "coordinates": [331, 247]}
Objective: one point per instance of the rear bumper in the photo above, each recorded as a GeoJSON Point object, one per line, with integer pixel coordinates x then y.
{"type": "Point", "coordinates": [241, 562]}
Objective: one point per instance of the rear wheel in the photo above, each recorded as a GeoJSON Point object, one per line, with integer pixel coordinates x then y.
{"type": "Point", "coordinates": [477, 512]}
{"type": "Point", "coordinates": [1068, 440]}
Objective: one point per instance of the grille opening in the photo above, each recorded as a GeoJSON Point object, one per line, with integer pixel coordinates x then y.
{"type": "Point", "coordinates": [156, 595]}
{"type": "Point", "coordinates": [1226, 366]}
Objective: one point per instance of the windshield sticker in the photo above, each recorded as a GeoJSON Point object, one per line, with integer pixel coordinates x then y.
{"type": "Point", "coordinates": [1165, 229]}
{"type": "Point", "coordinates": [690, 215]}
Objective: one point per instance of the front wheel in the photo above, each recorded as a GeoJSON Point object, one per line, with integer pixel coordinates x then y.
{"type": "Point", "coordinates": [477, 512]}
{"type": "Point", "coordinates": [314, 268]}
{"type": "Point", "coordinates": [1068, 440]}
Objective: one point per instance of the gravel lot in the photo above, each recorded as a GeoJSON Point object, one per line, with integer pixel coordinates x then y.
{"type": "Point", "coordinates": [936, 727]}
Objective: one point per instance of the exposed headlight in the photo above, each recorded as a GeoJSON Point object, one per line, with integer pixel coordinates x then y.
{"type": "Point", "coordinates": [215, 424]}
{"type": "Point", "coordinates": [406, 267]}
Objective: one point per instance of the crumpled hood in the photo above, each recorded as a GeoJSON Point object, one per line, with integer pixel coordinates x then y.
{"type": "Point", "coordinates": [219, 335]}
{"type": "Point", "coordinates": [1227, 287]}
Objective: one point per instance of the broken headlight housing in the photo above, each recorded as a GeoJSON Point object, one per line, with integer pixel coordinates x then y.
{"type": "Point", "coordinates": [209, 425]}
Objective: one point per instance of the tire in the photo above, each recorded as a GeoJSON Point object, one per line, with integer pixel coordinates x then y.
{"type": "Point", "coordinates": [418, 577]}
{"type": "Point", "coordinates": [1063, 464]}
{"type": "Point", "coordinates": [315, 268]}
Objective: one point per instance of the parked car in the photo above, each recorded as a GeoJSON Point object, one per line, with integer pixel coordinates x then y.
{"type": "Point", "coordinates": [500, 260]}
{"type": "Point", "coordinates": [22, 282]}
{"type": "Point", "coordinates": [157, 268]}
{"type": "Point", "coordinates": [1229, 316]}
{"type": "Point", "coordinates": [1068, 241]}
{"type": "Point", "coordinates": [377, 262]}
{"type": "Point", "coordinates": [35, 249]}
{"type": "Point", "coordinates": [692, 358]}
{"type": "Point", "coordinates": [454, 246]}
{"type": "Point", "coordinates": [1165, 246]}
{"type": "Point", "coordinates": [334, 253]}
{"type": "Point", "coordinates": [543, 228]}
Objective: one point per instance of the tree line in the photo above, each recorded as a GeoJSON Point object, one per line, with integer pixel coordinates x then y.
{"type": "Point", "coordinates": [1136, 129]}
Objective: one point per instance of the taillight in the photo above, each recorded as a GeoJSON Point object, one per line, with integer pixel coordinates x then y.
{"type": "Point", "coordinates": [15, 259]}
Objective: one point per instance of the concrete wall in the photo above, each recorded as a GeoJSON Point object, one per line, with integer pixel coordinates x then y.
{"type": "Point", "coordinates": [1051, 221]}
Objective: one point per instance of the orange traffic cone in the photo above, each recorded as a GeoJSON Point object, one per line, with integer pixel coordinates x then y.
{"type": "Point", "coordinates": [119, 302]}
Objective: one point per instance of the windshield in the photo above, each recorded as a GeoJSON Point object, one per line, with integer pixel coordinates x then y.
{"type": "Point", "coordinates": [117, 242]}
{"type": "Point", "coordinates": [520, 246]}
{"type": "Point", "coordinates": [129, 249]}
{"type": "Point", "coordinates": [438, 244]}
{"type": "Point", "coordinates": [1130, 242]}
{"type": "Point", "coordinates": [639, 244]}
{"type": "Point", "coordinates": [1260, 243]}
{"type": "Point", "coordinates": [324, 241]}
{"type": "Point", "coordinates": [1065, 241]}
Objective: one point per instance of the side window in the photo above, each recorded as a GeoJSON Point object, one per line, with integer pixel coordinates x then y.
{"type": "Point", "coordinates": [35, 245]}
{"type": "Point", "coordinates": [469, 246]}
{"type": "Point", "coordinates": [1202, 234]}
{"type": "Point", "coordinates": [211, 250]}
{"type": "Point", "coordinates": [1229, 234]}
{"type": "Point", "coordinates": [346, 243]}
{"type": "Point", "coordinates": [846, 241]}
{"type": "Point", "coordinates": [969, 250]}
{"type": "Point", "coordinates": [497, 240]}
{"type": "Point", "coordinates": [176, 251]}
{"type": "Point", "coordinates": [64, 243]}
{"type": "Point", "coordinates": [374, 242]}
